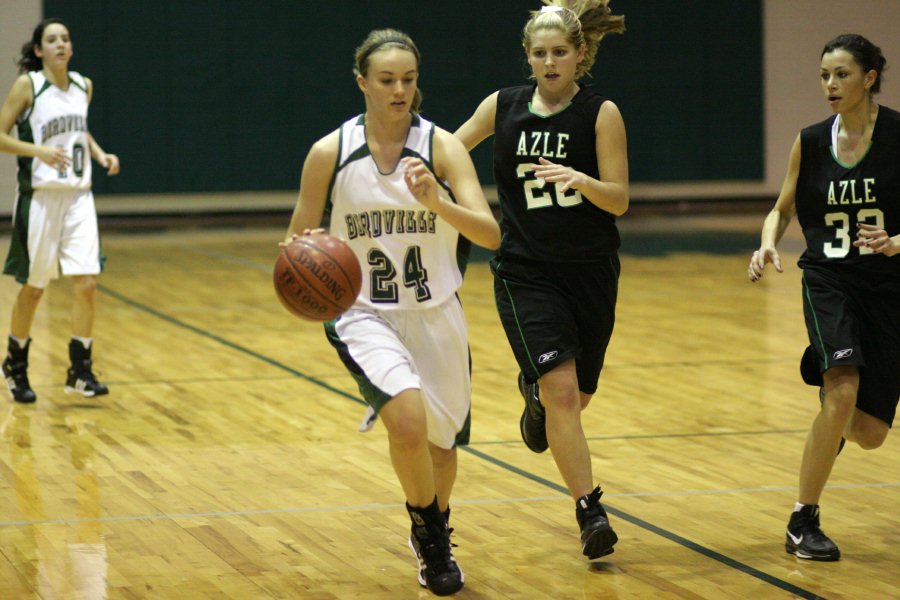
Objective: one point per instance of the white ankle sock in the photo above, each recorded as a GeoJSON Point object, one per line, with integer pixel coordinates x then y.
{"type": "Point", "coordinates": [19, 341]}
{"type": "Point", "coordinates": [86, 342]}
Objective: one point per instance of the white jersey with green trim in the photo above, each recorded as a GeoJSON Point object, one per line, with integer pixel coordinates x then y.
{"type": "Point", "coordinates": [410, 257]}
{"type": "Point", "coordinates": [57, 118]}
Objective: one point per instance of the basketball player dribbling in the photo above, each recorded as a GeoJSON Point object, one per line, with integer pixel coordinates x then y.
{"type": "Point", "coordinates": [404, 195]}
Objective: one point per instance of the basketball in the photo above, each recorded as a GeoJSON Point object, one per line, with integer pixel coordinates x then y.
{"type": "Point", "coordinates": [317, 277]}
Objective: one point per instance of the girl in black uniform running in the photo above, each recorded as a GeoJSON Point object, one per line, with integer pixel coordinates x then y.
{"type": "Point", "coordinates": [843, 183]}
{"type": "Point", "coordinates": [561, 168]}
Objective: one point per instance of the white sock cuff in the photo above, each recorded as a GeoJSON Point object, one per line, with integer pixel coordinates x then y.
{"type": "Point", "coordinates": [85, 341]}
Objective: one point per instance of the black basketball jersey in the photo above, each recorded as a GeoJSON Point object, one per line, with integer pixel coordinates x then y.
{"type": "Point", "coordinates": [833, 197]}
{"type": "Point", "coordinates": [539, 222]}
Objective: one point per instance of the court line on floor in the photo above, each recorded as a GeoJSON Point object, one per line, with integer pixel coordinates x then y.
{"type": "Point", "coordinates": [671, 536]}
{"type": "Point", "coordinates": [224, 514]}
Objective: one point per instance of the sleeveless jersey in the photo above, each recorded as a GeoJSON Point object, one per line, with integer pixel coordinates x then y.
{"type": "Point", "coordinates": [832, 198]}
{"type": "Point", "coordinates": [410, 257]}
{"type": "Point", "coordinates": [539, 222]}
{"type": "Point", "coordinates": [57, 118]}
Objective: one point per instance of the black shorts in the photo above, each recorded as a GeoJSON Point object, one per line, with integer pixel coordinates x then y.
{"type": "Point", "coordinates": [552, 312]}
{"type": "Point", "coordinates": [854, 320]}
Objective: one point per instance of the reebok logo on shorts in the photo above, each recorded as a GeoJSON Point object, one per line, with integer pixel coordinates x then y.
{"type": "Point", "coordinates": [842, 354]}
{"type": "Point", "coordinates": [547, 356]}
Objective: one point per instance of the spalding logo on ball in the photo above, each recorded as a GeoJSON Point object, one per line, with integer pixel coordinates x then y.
{"type": "Point", "coordinates": [317, 277]}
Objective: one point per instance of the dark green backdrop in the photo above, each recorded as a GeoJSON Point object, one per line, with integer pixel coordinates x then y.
{"type": "Point", "coordinates": [216, 95]}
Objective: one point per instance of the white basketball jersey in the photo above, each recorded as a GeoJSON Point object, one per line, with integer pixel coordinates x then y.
{"type": "Point", "coordinates": [57, 118]}
{"type": "Point", "coordinates": [410, 257]}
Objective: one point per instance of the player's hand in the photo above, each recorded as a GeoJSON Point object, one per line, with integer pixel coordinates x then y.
{"type": "Point", "coordinates": [54, 157]}
{"type": "Point", "coordinates": [420, 181]}
{"type": "Point", "coordinates": [758, 262]}
{"type": "Point", "coordinates": [110, 162]}
{"type": "Point", "coordinates": [554, 173]}
{"type": "Point", "coordinates": [876, 239]}
{"type": "Point", "coordinates": [294, 236]}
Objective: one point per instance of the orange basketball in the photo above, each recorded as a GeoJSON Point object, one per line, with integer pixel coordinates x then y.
{"type": "Point", "coordinates": [317, 277]}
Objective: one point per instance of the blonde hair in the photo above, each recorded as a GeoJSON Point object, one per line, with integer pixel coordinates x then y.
{"type": "Point", "coordinates": [384, 39]}
{"type": "Point", "coordinates": [584, 22]}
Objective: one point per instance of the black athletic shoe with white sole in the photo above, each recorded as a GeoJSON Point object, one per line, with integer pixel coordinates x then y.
{"type": "Point", "coordinates": [805, 539]}
{"type": "Point", "coordinates": [430, 542]}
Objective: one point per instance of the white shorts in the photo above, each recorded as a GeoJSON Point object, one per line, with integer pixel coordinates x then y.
{"type": "Point", "coordinates": [59, 228]}
{"type": "Point", "coordinates": [392, 351]}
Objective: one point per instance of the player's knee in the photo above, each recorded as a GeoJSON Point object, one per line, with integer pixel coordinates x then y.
{"type": "Point", "coordinates": [442, 456]}
{"type": "Point", "coordinates": [870, 438]}
{"type": "Point", "coordinates": [840, 403]}
{"type": "Point", "coordinates": [85, 286]}
{"type": "Point", "coordinates": [32, 295]}
{"type": "Point", "coordinates": [561, 396]}
{"type": "Point", "coordinates": [409, 430]}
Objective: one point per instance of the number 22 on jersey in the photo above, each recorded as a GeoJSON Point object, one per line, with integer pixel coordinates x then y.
{"type": "Point", "coordinates": [537, 196]}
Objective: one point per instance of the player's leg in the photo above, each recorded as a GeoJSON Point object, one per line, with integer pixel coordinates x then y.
{"type": "Point", "coordinates": [867, 431]}
{"type": "Point", "coordinates": [562, 403]}
{"type": "Point", "coordinates": [79, 258]}
{"type": "Point", "coordinates": [438, 341]}
{"type": "Point", "coordinates": [371, 349]}
{"type": "Point", "coordinates": [404, 419]}
{"type": "Point", "coordinates": [15, 365]}
{"type": "Point", "coordinates": [824, 437]}
{"type": "Point", "coordinates": [444, 463]}
{"type": "Point", "coordinates": [879, 385]}
{"type": "Point", "coordinates": [33, 261]}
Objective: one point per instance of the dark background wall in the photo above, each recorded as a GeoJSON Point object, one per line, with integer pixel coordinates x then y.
{"type": "Point", "coordinates": [225, 95]}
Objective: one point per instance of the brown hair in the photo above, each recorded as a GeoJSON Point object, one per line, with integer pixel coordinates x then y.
{"type": "Point", "coordinates": [29, 60]}
{"type": "Point", "coordinates": [383, 39]}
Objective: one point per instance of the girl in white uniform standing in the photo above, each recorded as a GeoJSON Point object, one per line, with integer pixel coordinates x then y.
{"type": "Point", "coordinates": [403, 193]}
{"type": "Point", "coordinates": [55, 221]}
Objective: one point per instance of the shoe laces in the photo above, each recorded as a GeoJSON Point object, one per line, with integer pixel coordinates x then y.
{"type": "Point", "coordinates": [86, 373]}
{"type": "Point", "coordinates": [18, 371]}
{"type": "Point", "coordinates": [591, 500]}
{"type": "Point", "coordinates": [811, 529]}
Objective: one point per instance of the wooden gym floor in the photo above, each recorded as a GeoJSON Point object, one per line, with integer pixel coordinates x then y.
{"type": "Point", "coordinates": [226, 461]}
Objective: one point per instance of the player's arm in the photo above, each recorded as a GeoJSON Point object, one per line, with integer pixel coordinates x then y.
{"type": "Point", "coordinates": [778, 219]}
{"type": "Point", "coordinates": [480, 125]}
{"type": "Point", "coordinates": [610, 192]}
{"type": "Point", "coordinates": [314, 180]}
{"type": "Point", "coordinates": [470, 215]}
{"type": "Point", "coordinates": [17, 102]}
{"type": "Point", "coordinates": [110, 162]}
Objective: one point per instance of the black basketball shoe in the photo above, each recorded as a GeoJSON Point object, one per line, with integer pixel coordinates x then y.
{"type": "Point", "coordinates": [597, 535]}
{"type": "Point", "coordinates": [80, 378]}
{"type": "Point", "coordinates": [533, 423]}
{"type": "Point", "coordinates": [15, 371]}
{"type": "Point", "coordinates": [430, 543]}
{"type": "Point", "coordinates": [804, 538]}
{"type": "Point", "coordinates": [822, 403]}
